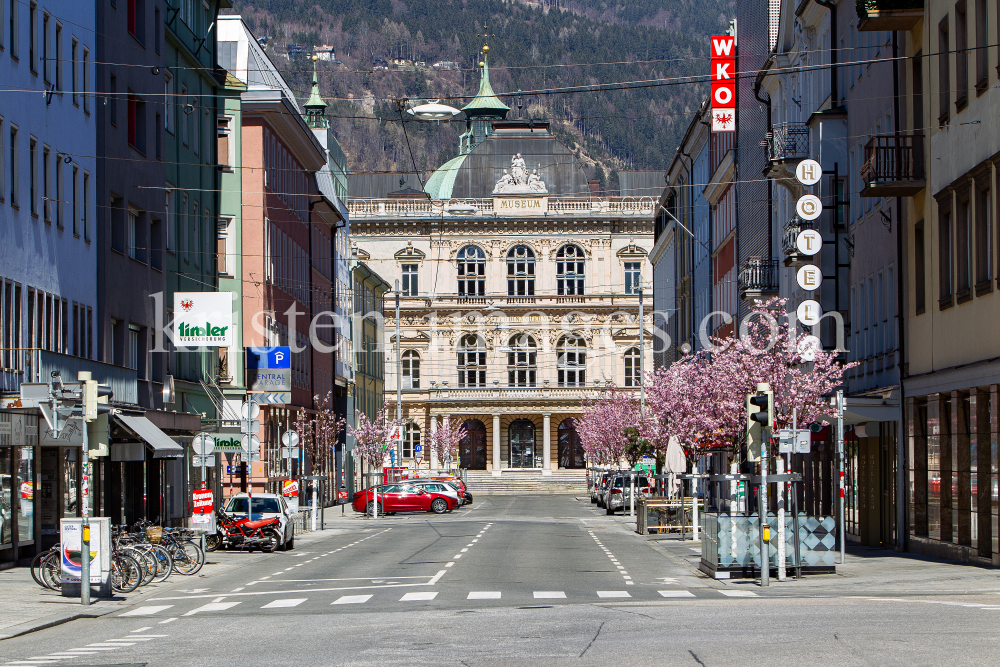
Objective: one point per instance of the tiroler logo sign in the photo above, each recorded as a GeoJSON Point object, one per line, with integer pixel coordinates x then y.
{"type": "Point", "coordinates": [204, 319]}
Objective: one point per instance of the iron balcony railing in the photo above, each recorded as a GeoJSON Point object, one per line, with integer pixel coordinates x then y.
{"type": "Point", "coordinates": [788, 141]}
{"type": "Point", "coordinates": [791, 232]}
{"type": "Point", "coordinates": [894, 165]}
{"type": "Point", "coordinates": [758, 278]}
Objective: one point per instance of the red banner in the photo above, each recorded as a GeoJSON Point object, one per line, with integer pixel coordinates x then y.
{"type": "Point", "coordinates": [723, 83]}
{"type": "Point", "coordinates": [203, 502]}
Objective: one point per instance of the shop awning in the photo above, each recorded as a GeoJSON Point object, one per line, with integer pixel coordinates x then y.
{"type": "Point", "coordinates": [162, 444]}
{"type": "Point", "coordinates": [864, 409]}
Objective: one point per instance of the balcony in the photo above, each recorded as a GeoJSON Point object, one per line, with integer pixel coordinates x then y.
{"type": "Point", "coordinates": [889, 14]}
{"type": "Point", "coordinates": [758, 279]}
{"type": "Point", "coordinates": [625, 207]}
{"type": "Point", "coordinates": [791, 232]}
{"type": "Point", "coordinates": [788, 142]}
{"type": "Point", "coordinates": [894, 166]}
{"type": "Point", "coordinates": [34, 365]}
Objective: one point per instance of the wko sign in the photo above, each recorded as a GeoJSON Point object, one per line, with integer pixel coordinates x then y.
{"type": "Point", "coordinates": [723, 83]}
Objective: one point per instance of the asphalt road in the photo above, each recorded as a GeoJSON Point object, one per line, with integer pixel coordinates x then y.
{"type": "Point", "coordinates": [538, 580]}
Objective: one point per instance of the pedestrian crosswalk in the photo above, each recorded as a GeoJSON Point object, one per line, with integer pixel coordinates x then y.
{"type": "Point", "coordinates": [392, 595]}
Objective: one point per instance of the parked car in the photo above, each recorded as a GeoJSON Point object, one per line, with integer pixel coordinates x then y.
{"type": "Point", "coordinates": [602, 488]}
{"type": "Point", "coordinates": [434, 485]}
{"type": "Point", "coordinates": [266, 506]}
{"type": "Point", "coordinates": [595, 486]}
{"type": "Point", "coordinates": [402, 498]}
{"type": "Point", "coordinates": [618, 496]}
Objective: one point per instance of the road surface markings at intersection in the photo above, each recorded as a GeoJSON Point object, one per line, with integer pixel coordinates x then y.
{"type": "Point", "coordinates": [290, 602]}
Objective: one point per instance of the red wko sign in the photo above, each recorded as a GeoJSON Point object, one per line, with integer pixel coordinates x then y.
{"type": "Point", "coordinates": [724, 83]}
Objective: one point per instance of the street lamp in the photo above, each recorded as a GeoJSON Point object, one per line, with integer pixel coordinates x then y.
{"type": "Point", "coordinates": [433, 111]}
{"type": "Point", "coordinates": [461, 209]}
{"type": "Point", "coordinates": [642, 352]}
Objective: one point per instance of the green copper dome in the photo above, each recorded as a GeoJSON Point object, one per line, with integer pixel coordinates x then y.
{"type": "Point", "coordinates": [486, 103]}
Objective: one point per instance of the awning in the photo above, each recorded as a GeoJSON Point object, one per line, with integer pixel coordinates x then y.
{"type": "Point", "coordinates": [863, 409]}
{"type": "Point", "coordinates": [163, 446]}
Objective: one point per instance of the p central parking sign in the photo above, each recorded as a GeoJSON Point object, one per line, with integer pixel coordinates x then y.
{"type": "Point", "coordinates": [269, 368]}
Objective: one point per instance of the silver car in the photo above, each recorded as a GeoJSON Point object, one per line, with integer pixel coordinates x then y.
{"type": "Point", "coordinates": [618, 494]}
{"type": "Point", "coordinates": [438, 487]}
{"type": "Point", "coordinates": [266, 506]}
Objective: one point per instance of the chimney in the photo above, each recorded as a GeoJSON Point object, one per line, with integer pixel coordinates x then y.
{"type": "Point", "coordinates": [595, 186]}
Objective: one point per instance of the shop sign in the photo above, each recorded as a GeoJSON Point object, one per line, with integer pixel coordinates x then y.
{"type": "Point", "coordinates": [269, 368]}
{"type": "Point", "coordinates": [203, 319]}
{"type": "Point", "coordinates": [723, 83]}
{"type": "Point", "coordinates": [202, 502]}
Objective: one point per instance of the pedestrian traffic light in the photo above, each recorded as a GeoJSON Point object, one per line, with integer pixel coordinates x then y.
{"type": "Point", "coordinates": [760, 406]}
{"type": "Point", "coordinates": [92, 407]}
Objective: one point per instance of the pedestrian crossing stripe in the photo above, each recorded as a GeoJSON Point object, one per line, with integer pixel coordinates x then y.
{"type": "Point", "coordinates": [291, 602]}
{"type": "Point", "coordinates": [352, 599]}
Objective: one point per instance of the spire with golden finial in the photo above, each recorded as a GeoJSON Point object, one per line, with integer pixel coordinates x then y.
{"type": "Point", "coordinates": [486, 104]}
{"type": "Point", "coordinates": [315, 106]}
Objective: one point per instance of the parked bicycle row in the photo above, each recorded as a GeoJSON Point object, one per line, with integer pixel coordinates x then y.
{"type": "Point", "coordinates": [140, 556]}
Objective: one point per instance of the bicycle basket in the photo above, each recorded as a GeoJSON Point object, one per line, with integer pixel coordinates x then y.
{"type": "Point", "coordinates": [154, 534]}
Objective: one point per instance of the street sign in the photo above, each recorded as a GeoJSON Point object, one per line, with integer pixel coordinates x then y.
{"type": "Point", "coordinates": [418, 448]}
{"type": "Point", "coordinates": [420, 460]}
{"type": "Point", "coordinates": [203, 444]}
{"type": "Point", "coordinates": [395, 433]}
{"type": "Point", "coordinates": [280, 398]}
{"type": "Point", "coordinates": [289, 452]}
{"type": "Point", "coordinates": [249, 410]}
{"type": "Point", "coordinates": [809, 277]}
{"type": "Point", "coordinates": [250, 426]}
{"type": "Point", "coordinates": [290, 439]}
{"type": "Point", "coordinates": [809, 242]}
{"type": "Point", "coordinates": [803, 441]}
{"type": "Point", "coordinates": [808, 172]}
{"type": "Point", "coordinates": [809, 207]}
{"type": "Point", "coordinates": [250, 444]}
{"type": "Point", "coordinates": [809, 312]}
{"type": "Point", "coordinates": [206, 461]}
{"type": "Point", "coordinates": [269, 368]}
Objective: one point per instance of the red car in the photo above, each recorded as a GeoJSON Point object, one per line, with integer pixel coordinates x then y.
{"type": "Point", "coordinates": [402, 498]}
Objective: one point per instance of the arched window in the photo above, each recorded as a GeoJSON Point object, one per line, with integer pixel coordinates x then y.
{"type": "Point", "coordinates": [521, 271]}
{"type": "Point", "coordinates": [471, 361]}
{"type": "Point", "coordinates": [571, 361]}
{"type": "Point", "coordinates": [522, 453]}
{"type": "Point", "coordinates": [569, 271]}
{"type": "Point", "coordinates": [412, 441]}
{"type": "Point", "coordinates": [471, 271]}
{"type": "Point", "coordinates": [522, 366]}
{"type": "Point", "coordinates": [411, 369]}
{"type": "Point", "coordinates": [633, 375]}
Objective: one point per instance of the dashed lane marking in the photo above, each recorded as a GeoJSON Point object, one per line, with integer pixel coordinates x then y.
{"type": "Point", "coordinates": [613, 594]}
{"type": "Point", "coordinates": [290, 602]}
{"type": "Point", "coordinates": [739, 594]}
{"type": "Point", "coordinates": [147, 611]}
{"type": "Point", "coordinates": [212, 606]}
{"type": "Point", "coordinates": [419, 596]}
{"type": "Point", "coordinates": [549, 595]}
{"type": "Point", "coordinates": [676, 594]}
{"type": "Point", "coordinates": [484, 595]}
{"type": "Point", "coordinates": [352, 599]}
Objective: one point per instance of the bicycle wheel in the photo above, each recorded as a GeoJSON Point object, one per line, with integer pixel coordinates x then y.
{"type": "Point", "coordinates": [212, 541]}
{"type": "Point", "coordinates": [164, 563]}
{"type": "Point", "coordinates": [126, 573]}
{"type": "Point", "coordinates": [36, 568]}
{"type": "Point", "coordinates": [51, 571]}
{"type": "Point", "coordinates": [145, 559]}
{"type": "Point", "coordinates": [190, 561]}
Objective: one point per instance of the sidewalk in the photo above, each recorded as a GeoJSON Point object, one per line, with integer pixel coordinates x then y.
{"type": "Point", "coordinates": [866, 572]}
{"type": "Point", "coordinates": [26, 607]}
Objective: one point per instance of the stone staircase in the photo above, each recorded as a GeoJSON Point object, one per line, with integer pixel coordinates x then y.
{"type": "Point", "coordinates": [527, 482]}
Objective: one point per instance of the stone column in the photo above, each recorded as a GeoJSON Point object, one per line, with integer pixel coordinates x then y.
{"type": "Point", "coordinates": [432, 458]}
{"type": "Point", "coordinates": [547, 465]}
{"type": "Point", "coordinates": [496, 445]}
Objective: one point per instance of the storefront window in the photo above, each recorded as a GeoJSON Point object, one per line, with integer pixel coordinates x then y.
{"type": "Point", "coordinates": [26, 489]}
{"type": "Point", "coordinates": [6, 497]}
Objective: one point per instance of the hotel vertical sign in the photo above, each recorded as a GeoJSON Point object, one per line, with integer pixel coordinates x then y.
{"type": "Point", "coordinates": [724, 83]}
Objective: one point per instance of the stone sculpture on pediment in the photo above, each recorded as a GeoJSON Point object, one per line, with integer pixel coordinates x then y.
{"type": "Point", "coordinates": [517, 180]}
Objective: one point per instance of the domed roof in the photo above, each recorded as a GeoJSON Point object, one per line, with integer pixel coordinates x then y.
{"type": "Point", "coordinates": [486, 104]}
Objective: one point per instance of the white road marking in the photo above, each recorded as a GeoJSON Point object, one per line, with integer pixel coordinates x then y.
{"type": "Point", "coordinates": [147, 611]}
{"type": "Point", "coordinates": [484, 595]}
{"type": "Point", "coordinates": [436, 578]}
{"type": "Point", "coordinates": [169, 620]}
{"type": "Point", "coordinates": [457, 556]}
{"type": "Point", "coordinates": [219, 599]}
{"type": "Point", "coordinates": [449, 564]}
{"type": "Point", "coordinates": [290, 602]}
{"type": "Point", "coordinates": [613, 594]}
{"type": "Point", "coordinates": [676, 594]}
{"type": "Point", "coordinates": [277, 573]}
{"type": "Point", "coordinates": [237, 590]}
{"type": "Point", "coordinates": [544, 595]}
{"type": "Point", "coordinates": [99, 644]}
{"type": "Point", "coordinates": [212, 606]}
{"type": "Point", "coordinates": [352, 599]}
{"type": "Point", "coordinates": [422, 595]}
{"type": "Point", "coordinates": [739, 594]}
{"type": "Point", "coordinates": [143, 629]}
{"type": "Point", "coordinates": [464, 550]}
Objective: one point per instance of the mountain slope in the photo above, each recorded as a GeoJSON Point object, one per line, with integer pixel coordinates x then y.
{"type": "Point", "coordinates": [535, 45]}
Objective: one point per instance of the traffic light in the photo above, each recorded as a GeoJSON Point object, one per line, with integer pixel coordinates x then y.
{"type": "Point", "coordinates": [760, 409]}
{"type": "Point", "coordinates": [92, 406]}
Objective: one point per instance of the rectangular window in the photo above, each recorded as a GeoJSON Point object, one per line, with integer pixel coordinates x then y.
{"type": "Point", "coordinates": [75, 207]}
{"type": "Point", "coordinates": [113, 100]}
{"type": "Point", "coordinates": [168, 217]}
{"type": "Point", "coordinates": [86, 80]}
{"type": "Point", "coordinates": [961, 56]}
{"type": "Point", "coordinates": [132, 358]}
{"type": "Point", "coordinates": [15, 6]}
{"type": "Point", "coordinates": [74, 71]}
{"type": "Point", "coordinates": [982, 47]}
{"type": "Point", "coordinates": [185, 118]}
{"type": "Point", "coordinates": [46, 187]}
{"type": "Point", "coordinates": [945, 272]}
{"type": "Point", "coordinates": [196, 131]}
{"type": "Point", "coordinates": [58, 203]}
{"type": "Point", "coordinates": [409, 284]}
{"type": "Point", "coordinates": [944, 72]}
{"type": "Point", "coordinates": [33, 175]}
{"type": "Point", "coordinates": [156, 30]}
{"type": "Point", "coordinates": [195, 237]}
{"type": "Point", "coordinates": [136, 19]}
{"type": "Point", "coordinates": [59, 59]}
{"type": "Point", "coordinates": [154, 244]}
{"type": "Point", "coordinates": [984, 237]}
{"type": "Point", "coordinates": [183, 220]}
{"type": "Point", "coordinates": [633, 277]}
{"type": "Point", "coordinates": [918, 92]}
{"type": "Point", "coordinates": [33, 37]}
{"type": "Point", "coordinates": [222, 245]}
{"type": "Point", "coordinates": [76, 329]}
{"type": "Point", "coordinates": [208, 137]}
{"type": "Point", "coordinates": [137, 122]}
{"type": "Point", "coordinates": [158, 141]}
{"type": "Point", "coordinates": [226, 145]}
{"type": "Point", "coordinates": [890, 309]}
{"type": "Point", "coordinates": [3, 170]}
{"type": "Point", "coordinates": [132, 222]}
{"type": "Point", "coordinates": [168, 103]}
{"type": "Point", "coordinates": [85, 213]}
{"type": "Point", "coordinates": [46, 52]}
{"type": "Point", "coordinates": [963, 246]}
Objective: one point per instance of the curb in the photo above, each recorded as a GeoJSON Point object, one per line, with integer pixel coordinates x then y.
{"type": "Point", "coordinates": [47, 622]}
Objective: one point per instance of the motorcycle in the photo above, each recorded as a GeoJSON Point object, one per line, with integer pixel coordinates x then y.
{"type": "Point", "coordinates": [242, 532]}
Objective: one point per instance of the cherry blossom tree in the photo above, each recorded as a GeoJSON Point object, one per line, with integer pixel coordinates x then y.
{"type": "Point", "coordinates": [371, 438]}
{"type": "Point", "coordinates": [604, 426]}
{"type": "Point", "coordinates": [446, 439]}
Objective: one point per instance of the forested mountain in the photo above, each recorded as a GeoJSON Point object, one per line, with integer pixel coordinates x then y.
{"type": "Point", "coordinates": [542, 47]}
